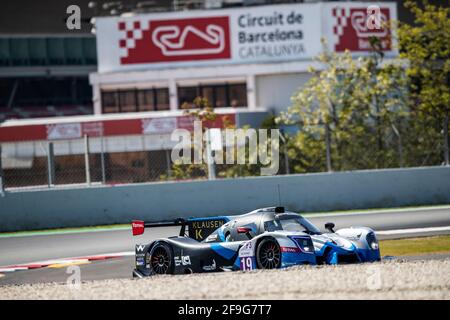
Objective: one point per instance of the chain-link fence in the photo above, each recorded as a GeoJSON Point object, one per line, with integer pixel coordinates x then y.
{"type": "Point", "coordinates": [60, 163]}
{"type": "Point", "coordinates": [52, 170]}
{"type": "Point", "coordinates": [56, 166]}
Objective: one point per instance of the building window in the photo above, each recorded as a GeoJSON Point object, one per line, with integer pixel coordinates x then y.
{"type": "Point", "coordinates": [110, 102]}
{"type": "Point", "coordinates": [47, 51]}
{"type": "Point", "coordinates": [162, 99]}
{"type": "Point", "coordinates": [218, 95]}
{"type": "Point", "coordinates": [186, 95]}
{"type": "Point", "coordinates": [146, 100]}
{"type": "Point", "coordinates": [238, 95]}
{"type": "Point", "coordinates": [221, 97]}
{"type": "Point", "coordinates": [127, 101]}
{"type": "Point", "coordinates": [135, 100]}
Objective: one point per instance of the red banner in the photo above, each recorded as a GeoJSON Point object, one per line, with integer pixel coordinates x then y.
{"type": "Point", "coordinates": [76, 130]}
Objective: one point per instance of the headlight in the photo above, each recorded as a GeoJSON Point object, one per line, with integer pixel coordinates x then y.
{"type": "Point", "coordinates": [372, 241]}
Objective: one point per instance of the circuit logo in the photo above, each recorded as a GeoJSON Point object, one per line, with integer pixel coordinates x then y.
{"type": "Point", "coordinates": [174, 40]}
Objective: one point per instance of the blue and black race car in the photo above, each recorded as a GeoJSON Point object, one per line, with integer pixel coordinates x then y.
{"type": "Point", "coordinates": [348, 245]}
{"type": "Point", "coordinates": [265, 238]}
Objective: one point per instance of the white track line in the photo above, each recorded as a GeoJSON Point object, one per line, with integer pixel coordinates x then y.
{"type": "Point", "coordinates": [413, 230]}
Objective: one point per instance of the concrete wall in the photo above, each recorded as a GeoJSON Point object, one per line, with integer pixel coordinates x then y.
{"type": "Point", "coordinates": [163, 201]}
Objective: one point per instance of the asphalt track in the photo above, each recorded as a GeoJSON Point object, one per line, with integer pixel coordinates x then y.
{"type": "Point", "coordinates": [31, 248]}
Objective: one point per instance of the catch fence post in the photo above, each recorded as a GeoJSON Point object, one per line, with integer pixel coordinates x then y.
{"type": "Point", "coordinates": [51, 164]}
{"type": "Point", "coordinates": [86, 159]}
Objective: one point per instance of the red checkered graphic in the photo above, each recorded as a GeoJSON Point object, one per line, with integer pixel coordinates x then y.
{"type": "Point", "coordinates": [351, 30]}
{"type": "Point", "coordinates": [130, 32]}
{"type": "Point", "coordinates": [340, 16]}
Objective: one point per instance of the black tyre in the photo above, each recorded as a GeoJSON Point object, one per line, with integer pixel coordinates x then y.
{"type": "Point", "coordinates": [161, 259]}
{"type": "Point", "coordinates": [268, 254]}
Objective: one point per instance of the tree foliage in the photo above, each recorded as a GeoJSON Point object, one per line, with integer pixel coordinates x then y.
{"type": "Point", "coordinates": [365, 112]}
{"type": "Point", "coordinates": [426, 48]}
{"type": "Point", "coordinates": [354, 108]}
{"type": "Point", "coordinates": [204, 113]}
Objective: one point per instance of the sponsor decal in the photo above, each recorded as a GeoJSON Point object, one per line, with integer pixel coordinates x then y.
{"type": "Point", "coordinates": [184, 260]}
{"type": "Point", "coordinates": [63, 131]}
{"type": "Point", "coordinates": [159, 125]}
{"type": "Point", "coordinates": [201, 229]}
{"type": "Point", "coordinates": [140, 248]}
{"type": "Point", "coordinates": [92, 129]}
{"type": "Point", "coordinates": [207, 224]}
{"type": "Point", "coordinates": [290, 249]}
{"type": "Point", "coordinates": [246, 250]}
{"type": "Point", "coordinates": [140, 262]}
{"type": "Point", "coordinates": [151, 41]}
{"type": "Point", "coordinates": [74, 130]}
{"type": "Point", "coordinates": [211, 267]}
{"type": "Point", "coordinates": [352, 28]}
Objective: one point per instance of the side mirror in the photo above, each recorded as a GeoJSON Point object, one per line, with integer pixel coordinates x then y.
{"type": "Point", "coordinates": [245, 230]}
{"type": "Point", "coordinates": [329, 226]}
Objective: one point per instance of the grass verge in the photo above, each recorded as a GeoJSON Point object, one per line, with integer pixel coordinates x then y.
{"type": "Point", "coordinates": [415, 246]}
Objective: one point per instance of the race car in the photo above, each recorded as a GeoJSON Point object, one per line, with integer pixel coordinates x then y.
{"type": "Point", "coordinates": [347, 245]}
{"type": "Point", "coordinates": [197, 249]}
{"type": "Point", "coordinates": [265, 238]}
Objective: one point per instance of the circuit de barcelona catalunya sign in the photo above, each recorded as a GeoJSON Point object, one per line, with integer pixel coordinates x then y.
{"type": "Point", "coordinates": [237, 36]}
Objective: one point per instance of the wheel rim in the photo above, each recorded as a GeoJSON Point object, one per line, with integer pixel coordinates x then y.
{"type": "Point", "coordinates": [270, 255]}
{"type": "Point", "coordinates": [160, 261]}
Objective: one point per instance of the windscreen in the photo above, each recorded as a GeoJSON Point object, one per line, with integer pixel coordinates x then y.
{"type": "Point", "coordinates": [291, 223]}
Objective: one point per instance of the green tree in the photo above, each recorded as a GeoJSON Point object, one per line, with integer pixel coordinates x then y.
{"type": "Point", "coordinates": [425, 46]}
{"type": "Point", "coordinates": [350, 114]}
{"type": "Point", "coordinates": [204, 112]}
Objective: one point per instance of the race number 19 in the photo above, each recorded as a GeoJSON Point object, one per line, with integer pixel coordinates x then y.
{"type": "Point", "coordinates": [246, 263]}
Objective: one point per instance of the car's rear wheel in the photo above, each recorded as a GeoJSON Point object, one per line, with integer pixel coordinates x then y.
{"type": "Point", "coordinates": [268, 254]}
{"type": "Point", "coordinates": [161, 259]}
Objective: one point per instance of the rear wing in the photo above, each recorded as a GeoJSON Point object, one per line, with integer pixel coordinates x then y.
{"type": "Point", "coordinates": [198, 228]}
{"type": "Point", "coordinates": [138, 226]}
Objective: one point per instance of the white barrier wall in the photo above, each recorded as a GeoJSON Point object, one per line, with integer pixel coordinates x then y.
{"type": "Point", "coordinates": [74, 207]}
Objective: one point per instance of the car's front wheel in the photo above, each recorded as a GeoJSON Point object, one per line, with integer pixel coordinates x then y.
{"type": "Point", "coordinates": [268, 254]}
{"type": "Point", "coordinates": [161, 259]}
